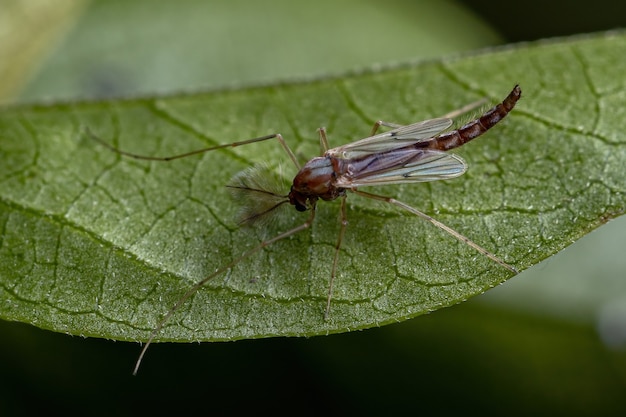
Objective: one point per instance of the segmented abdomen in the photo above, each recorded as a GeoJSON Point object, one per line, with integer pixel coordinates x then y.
{"type": "Point", "coordinates": [475, 128]}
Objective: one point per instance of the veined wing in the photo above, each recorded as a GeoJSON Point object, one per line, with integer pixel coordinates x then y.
{"type": "Point", "coordinates": [396, 138]}
{"type": "Point", "coordinates": [402, 166]}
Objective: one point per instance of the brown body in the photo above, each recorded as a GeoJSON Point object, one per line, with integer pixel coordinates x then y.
{"type": "Point", "coordinates": [328, 176]}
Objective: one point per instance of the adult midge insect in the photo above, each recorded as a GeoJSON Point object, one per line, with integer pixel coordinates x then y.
{"type": "Point", "coordinates": [404, 154]}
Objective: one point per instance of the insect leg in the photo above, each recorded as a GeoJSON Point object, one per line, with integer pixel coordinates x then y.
{"type": "Point", "coordinates": [440, 225]}
{"type": "Point", "coordinates": [278, 137]}
{"type": "Point", "coordinates": [333, 273]}
{"type": "Point", "coordinates": [451, 115]}
{"type": "Point", "coordinates": [380, 123]}
{"type": "Point", "coordinates": [465, 109]}
{"type": "Point", "coordinates": [323, 140]}
{"type": "Point", "coordinates": [220, 271]}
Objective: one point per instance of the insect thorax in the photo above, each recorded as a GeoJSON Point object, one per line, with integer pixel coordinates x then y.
{"type": "Point", "coordinates": [315, 180]}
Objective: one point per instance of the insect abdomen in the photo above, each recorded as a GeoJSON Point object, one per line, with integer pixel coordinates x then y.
{"type": "Point", "coordinates": [475, 128]}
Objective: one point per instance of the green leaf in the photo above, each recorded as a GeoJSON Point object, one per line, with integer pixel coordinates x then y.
{"type": "Point", "coordinates": [101, 245]}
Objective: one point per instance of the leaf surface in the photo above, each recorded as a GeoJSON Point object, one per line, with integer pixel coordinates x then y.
{"type": "Point", "coordinates": [101, 245]}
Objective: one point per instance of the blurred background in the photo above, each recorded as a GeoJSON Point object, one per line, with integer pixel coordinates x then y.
{"type": "Point", "coordinates": [549, 341]}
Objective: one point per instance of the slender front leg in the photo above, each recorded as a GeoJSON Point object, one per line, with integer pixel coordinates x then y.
{"type": "Point", "coordinates": [278, 137]}
{"type": "Point", "coordinates": [333, 273]}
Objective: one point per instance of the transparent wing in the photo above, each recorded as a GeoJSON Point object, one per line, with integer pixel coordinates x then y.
{"type": "Point", "coordinates": [402, 167]}
{"type": "Point", "coordinates": [393, 139]}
